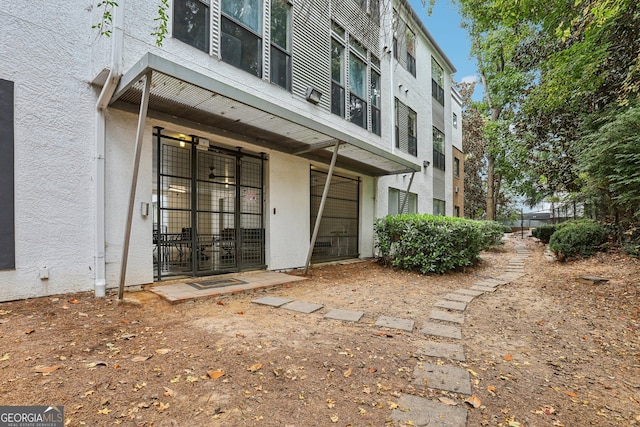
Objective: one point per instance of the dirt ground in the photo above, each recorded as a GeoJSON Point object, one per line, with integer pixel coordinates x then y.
{"type": "Point", "coordinates": [550, 349]}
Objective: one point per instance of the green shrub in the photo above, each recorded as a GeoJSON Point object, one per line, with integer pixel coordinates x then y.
{"type": "Point", "coordinates": [582, 237]}
{"type": "Point", "coordinates": [544, 233]}
{"type": "Point", "coordinates": [492, 233]}
{"type": "Point", "coordinates": [432, 244]}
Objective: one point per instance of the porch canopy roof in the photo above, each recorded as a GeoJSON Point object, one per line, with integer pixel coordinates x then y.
{"type": "Point", "coordinates": [184, 96]}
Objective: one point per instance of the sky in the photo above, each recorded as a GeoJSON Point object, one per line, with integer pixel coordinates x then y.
{"type": "Point", "coordinates": [444, 26]}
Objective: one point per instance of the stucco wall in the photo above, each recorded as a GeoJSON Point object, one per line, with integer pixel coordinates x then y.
{"type": "Point", "coordinates": [54, 130]}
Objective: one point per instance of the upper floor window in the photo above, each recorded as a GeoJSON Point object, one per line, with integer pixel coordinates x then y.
{"type": "Point", "coordinates": [404, 45]}
{"type": "Point", "coordinates": [406, 128]}
{"type": "Point", "coordinates": [281, 43]}
{"type": "Point", "coordinates": [455, 120]}
{"type": "Point", "coordinates": [241, 39]}
{"type": "Point", "coordinates": [438, 149]}
{"type": "Point", "coordinates": [337, 78]}
{"type": "Point", "coordinates": [376, 91]}
{"type": "Point", "coordinates": [437, 81]}
{"type": "Point", "coordinates": [191, 23]}
{"type": "Point", "coordinates": [358, 91]}
{"type": "Point", "coordinates": [372, 7]}
{"type": "Point", "coordinates": [456, 167]}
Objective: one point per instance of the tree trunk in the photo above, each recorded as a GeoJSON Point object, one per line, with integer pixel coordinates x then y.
{"type": "Point", "coordinates": [491, 202]}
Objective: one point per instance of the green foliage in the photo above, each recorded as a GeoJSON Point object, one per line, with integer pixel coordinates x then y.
{"type": "Point", "coordinates": [160, 31]}
{"type": "Point", "coordinates": [105, 26]}
{"type": "Point", "coordinates": [544, 233]}
{"type": "Point", "coordinates": [433, 244]}
{"type": "Point", "coordinates": [574, 238]}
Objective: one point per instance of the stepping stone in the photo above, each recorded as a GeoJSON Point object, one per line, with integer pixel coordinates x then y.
{"type": "Point", "coordinates": [451, 305]}
{"type": "Point", "coordinates": [302, 307]}
{"type": "Point", "coordinates": [440, 330]}
{"type": "Point", "coordinates": [348, 315]}
{"type": "Point", "coordinates": [450, 378]}
{"type": "Point", "coordinates": [458, 297]}
{"type": "Point", "coordinates": [486, 284]}
{"type": "Point", "coordinates": [422, 412]}
{"type": "Point", "coordinates": [483, 288]}
{"type": "Point", "coordinates": [447, 316]}
{"type": "Point", "coordinates": [395, 323]}
{"type": "Point", "coordinates": [272, 301]}
{"type": "Point", "coordinates": [469, 292]}
{"type": "Point", "coordinates": [594, 279]}
{"type": "Point", "coordinates": [443, 351]}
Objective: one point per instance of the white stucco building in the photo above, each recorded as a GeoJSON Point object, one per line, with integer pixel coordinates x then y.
{"type": "Point", "coordinates": [210, 154]}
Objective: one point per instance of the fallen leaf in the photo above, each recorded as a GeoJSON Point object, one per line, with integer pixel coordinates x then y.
{"type": "Point", "coordinates": [347, 373]}
{"type": "Point", "coordinates": [163, 350]}
{"type": "Point", "coordinates": [491, 388]}
{"type": "Point", "coordinates": [29, 331]}
{"type": "Point", "coordinates": [168, 392]}
{"type": "Point", "coordinates": [473, 401]}
{"type": "Point", "coordinates": [46, 369]}
{"type": "Point", "coordinates": [472, 372]}
{"type": "Point", "coordinates": [140, 358]}
{"type": "Point", "coordinates": [362, 411]}
{"type": "Point", "coordinates": [5, 357]}
{"type": "Point", "coordinates": [74, 301]}
{"type": "Point", "coordinates": [239, 336]}
{"type": "Point", "coordinates": [162, 406]}
{"type": "Point", "coordinates": [508, 357]}
{"type": "Point", "coordinates": [240, 313]}
{"type": "Point", "coordinates": [334, 418]}
{"type": "Point", "coordinates": [570, 393]}
{"type": "Point", "coordinates": [215, 374]}
{"type": "Point", "coordinates": [447, 401]}
{"type": "Point", "coordinates": [254, 368]}
{"type": "Point", "coordinates": [104, 411]}
{"type": "Point", "coordinates": [220, 303]}
{"type": "Point", "coordinates": [372, 370]}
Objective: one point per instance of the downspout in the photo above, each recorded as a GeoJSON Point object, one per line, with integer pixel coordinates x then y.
{"type": "Point", "coordinates": [117, 47]}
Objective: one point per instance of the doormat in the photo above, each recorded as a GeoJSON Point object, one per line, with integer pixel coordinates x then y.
{"type": "Point", "coordinates": [218, 283]}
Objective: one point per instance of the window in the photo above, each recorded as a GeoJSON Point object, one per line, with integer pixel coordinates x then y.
{"type": "Point", "coordinates": [456, 167]}
{"type": "Point", "coordinates": [455, 120]}
{"type": "Point", "coordinates": [457, 209]}
{"type": "Point", "coordinates": [191, 23]}
{"type": "Point", "coordinates": [358, 91]}
{"type": "Point", "coordinates": [281, 43]}
{"type": "Point", "coordinates": [406, 128]}
{"type": "Point", "coordinates": [337, 78]}
{"type": "Point", "coordinates": [438, 149]}
{"type": "Point", "coordinates": [404, 45]}
{"type": "Point", "coordinates": [396, 199]}
{"type": "Point", "coordinates": [376, 91]}
{"type": "Point", "coordinates": [437, 81]}
{"type": "Point", "coordinates": [439, 207]}
{"type": "Point", "coordinates": [372, 7]}
{"type": "Point", "coordinates": [241, 39]}
{"type": "Point", "coordinates": [7, 200]}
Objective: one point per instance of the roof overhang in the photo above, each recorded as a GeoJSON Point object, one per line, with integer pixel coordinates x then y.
{"type": "Point", "coordinates": [187, 97]}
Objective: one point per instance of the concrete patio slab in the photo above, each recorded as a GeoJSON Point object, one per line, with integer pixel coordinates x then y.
{"type": "Point", "coordinates": [443, 350]}
{"type": "Point", "coordinates": [450, 378]}
{"type": "Point", "coordinates": [421, 412]}
{"type": "Point", "coordinates": [458, 297]}
{"type": "Point", "coordinates": [302, 307]}
{"type": "Point", "coordinates": [469, 292]}
{"type": "Point", "coordinates": [447, 316]}
{"type": "Point", "coordinates": [395, 323]}
{"type": "Point", "coordinates": [451, 305]}
{"type": "Point", "coordinates": [272, 301]}
{"type": "Point", "coordinates": [346, 315]}
{"type": "Point", "coordinates": [440, 330]}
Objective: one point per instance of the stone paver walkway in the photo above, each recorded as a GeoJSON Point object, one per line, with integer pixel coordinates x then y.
{"type": "Point", "coordinates": [443, 323]}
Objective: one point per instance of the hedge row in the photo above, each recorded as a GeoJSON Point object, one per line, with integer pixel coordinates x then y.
{"type": "Point", "coordinates": [582, 237]}
{"type": "Point", "coordinates": [433, 244]}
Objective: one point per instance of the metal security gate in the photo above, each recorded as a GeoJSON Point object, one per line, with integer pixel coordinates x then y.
{"type": "Point", "coordinates": [338, 233]}
{"type": "Point", "coordinates": [208, 208]}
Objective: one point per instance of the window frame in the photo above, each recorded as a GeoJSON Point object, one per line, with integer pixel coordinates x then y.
{"type": "Point", "coordinates": [439, 207]}
{"type": "Point", "coordinates": [437, 81]}
{"type": "Point", "coordinates": [456, 167]}
{"type": "Point", "coordinates": [183, 37]}
{"type": "Point", "coordinates": [244, 30]}
{"type": "Point", "coordinates": [395, 195]}
{"type": "Point", "coordinates": [439, 157]}
{"type": "Point", "coordinates": [285, 51]}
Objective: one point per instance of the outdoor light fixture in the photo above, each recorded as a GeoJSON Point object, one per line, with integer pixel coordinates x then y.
{"type": "Point", "coordinates": [426, 163]}
{"type": "Point", "coordinates": [313, 95]}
